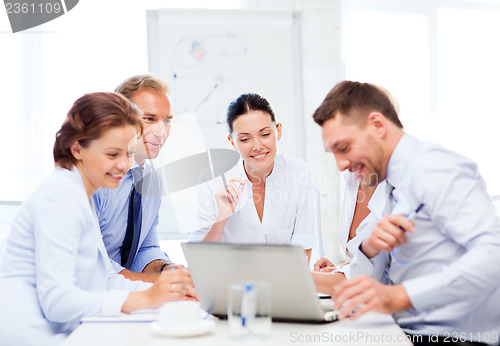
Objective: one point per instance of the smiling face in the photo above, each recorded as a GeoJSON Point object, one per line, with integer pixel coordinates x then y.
{"type": "Point", "coordinates": [104, 161]}
{"type": "Point", "coordinates": [356, 148]}
{"type": "Point", "coordinates": [157, 120]}
{"type": "Point", "coordinates": [256, 137]}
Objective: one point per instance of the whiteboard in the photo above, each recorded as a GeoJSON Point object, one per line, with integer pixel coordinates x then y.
{"type": "Point", "coordinates": [209, 58]}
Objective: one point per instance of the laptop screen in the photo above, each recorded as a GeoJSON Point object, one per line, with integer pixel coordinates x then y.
{"type": "Point", "coordinates": [214, 266]}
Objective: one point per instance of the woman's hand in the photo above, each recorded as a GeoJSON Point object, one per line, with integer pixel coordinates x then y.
{"type": "Point", "coordinates": [227, 200]}
{"type": "Point", "coordinates": [170, 285]}
{"type": "Point", "coordinates": [324, 265]}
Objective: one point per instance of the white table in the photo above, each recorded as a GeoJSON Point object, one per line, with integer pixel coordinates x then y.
{"type": "Point", "coordinates": [370, 329]}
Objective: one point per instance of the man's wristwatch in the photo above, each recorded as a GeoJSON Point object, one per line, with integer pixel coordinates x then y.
{"type": "Point", "coordinates": [164, 265]}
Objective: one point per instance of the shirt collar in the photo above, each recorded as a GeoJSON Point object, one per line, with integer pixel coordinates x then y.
{"type": "Point", "coordinates": [147, 168]}
{"type": "Point", "coordinates": [398, 163]}
{"type": "Point", "coordinates": [279, 162]}
{"type": "Point", "coordinates": [377, 202]}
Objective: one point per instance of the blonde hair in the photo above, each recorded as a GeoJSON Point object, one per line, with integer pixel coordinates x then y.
{"type": "Point", "coordinates": [134, 85]}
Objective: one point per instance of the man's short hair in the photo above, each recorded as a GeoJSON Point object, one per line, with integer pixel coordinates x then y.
{"type": "Point", "coordinates": [134, 85]}
{"type": "Point", "coordinates": [355, 101]}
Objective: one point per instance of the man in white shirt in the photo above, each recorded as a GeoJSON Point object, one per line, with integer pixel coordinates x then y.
{"type": "Point", "coordinates": [443, 268]}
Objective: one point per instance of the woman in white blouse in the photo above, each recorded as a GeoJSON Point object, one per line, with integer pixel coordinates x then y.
{"type": "Point", "coordinates": [362, 207]}
{"type": "Point", "coordinates": [269, 199]}
{"type": "Point", "coordinates": [56, 269]}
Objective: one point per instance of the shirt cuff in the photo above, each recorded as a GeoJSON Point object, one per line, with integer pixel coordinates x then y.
{"type": "Point", "coordinates": [426, 292]}
{"type": "Point", "coordinates": [373, 267]}
{"type": "Point", "coordinates": [346, 270]}
{"type": "Point", "coordinates": [113, 302]}
{"type": "Point", "coordinates": [143, 258]}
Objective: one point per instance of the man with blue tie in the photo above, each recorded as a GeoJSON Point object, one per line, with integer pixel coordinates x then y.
{"type": "Point", "coordinates": [128, 215]}
{"type": "Point", "coordinates": [442, 269]}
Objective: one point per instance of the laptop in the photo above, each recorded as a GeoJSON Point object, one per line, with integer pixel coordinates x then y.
{"type": "Point", "coordinates": [214, 266]}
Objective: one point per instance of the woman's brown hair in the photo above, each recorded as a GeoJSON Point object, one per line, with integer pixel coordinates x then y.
{"type": "Point", "coordinates": [89, 117]}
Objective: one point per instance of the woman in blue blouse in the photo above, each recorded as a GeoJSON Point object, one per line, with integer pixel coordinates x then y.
{"type": "Point", "coordinates": [56, 270]}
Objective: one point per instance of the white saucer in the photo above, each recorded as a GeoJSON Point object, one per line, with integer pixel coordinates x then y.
{"type": "Point", "coordinates": [201, 328]}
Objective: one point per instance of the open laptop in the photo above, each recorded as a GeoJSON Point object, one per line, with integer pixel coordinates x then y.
{"type": "Point", "coordinates": [214, 266]}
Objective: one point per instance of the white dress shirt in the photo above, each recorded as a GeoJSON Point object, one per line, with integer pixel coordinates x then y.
{"type": "Point", "coordinates": [376, 205]}
{"type": "Point", "coordinates": [288, 216]}
{"type": "Point", "coordinates": [56, 269]}
{"type": "Point", "coordinates": [450, 267]}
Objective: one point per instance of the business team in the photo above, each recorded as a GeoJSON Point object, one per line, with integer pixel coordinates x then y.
{"type": "Point", "coordinates": [95, 218]}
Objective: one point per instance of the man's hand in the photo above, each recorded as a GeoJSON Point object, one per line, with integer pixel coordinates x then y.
{"type": "Point", "coordinates": [388, 234]}
{"type": "Point", "coordinates": [172, 266]}
{"type": "Point", "coordinates": [155, 266]}
{"type": "Point", "coordinates": [357, 296]}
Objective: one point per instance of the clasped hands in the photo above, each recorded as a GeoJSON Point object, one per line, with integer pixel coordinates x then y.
{"type": "Point", "coordinates": [173, 285]}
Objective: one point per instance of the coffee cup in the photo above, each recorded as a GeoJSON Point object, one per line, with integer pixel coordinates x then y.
{"type": "Point", "coordinates": [181, 313]}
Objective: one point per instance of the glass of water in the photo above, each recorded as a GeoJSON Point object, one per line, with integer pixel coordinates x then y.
{"type": "Point", "coordinates": [249, 310]}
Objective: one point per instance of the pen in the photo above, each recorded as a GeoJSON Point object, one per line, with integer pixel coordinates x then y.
{"type": "Point", "coordinates": [227, 189]}
{"type": "Point", "coordinates": [247, 306]}
{"type": "Point", "coordinates": [224, 182]}
{"type": "Point", "coordinates": [413, 214]}
{"type": "Point", "coordinates": [240, 191]}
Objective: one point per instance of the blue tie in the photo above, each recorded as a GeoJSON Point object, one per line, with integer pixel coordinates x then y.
{"type": "Point", "coordinates": [390, 202]}
{"type": "Point", "coordinates": [131, 240]}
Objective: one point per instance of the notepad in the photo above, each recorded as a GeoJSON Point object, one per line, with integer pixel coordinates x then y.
{"type": "Point", "coordinates": [136, 316]}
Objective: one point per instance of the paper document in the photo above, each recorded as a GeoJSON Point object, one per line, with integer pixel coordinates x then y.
{"type": "Point", "coordinates": [136, 316]}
